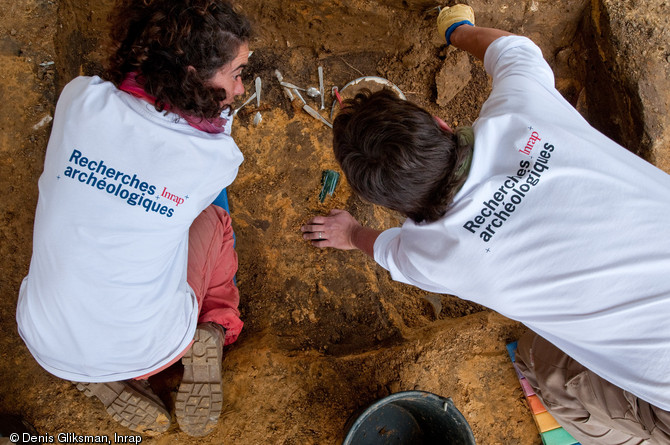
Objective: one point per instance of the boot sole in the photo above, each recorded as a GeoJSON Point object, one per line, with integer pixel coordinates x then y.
{"type": "Point", "coordinates": [129, 406]}
{"type": "Point", "coordinates": [200, 396]}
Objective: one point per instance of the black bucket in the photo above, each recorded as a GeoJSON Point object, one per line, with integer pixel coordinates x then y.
{"type": "Point", "coordinates": [412, 418]}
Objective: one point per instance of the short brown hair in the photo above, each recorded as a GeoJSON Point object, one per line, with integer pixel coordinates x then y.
{"type": "Point", "coordinates": [395, 154]}
{"type": "Point", "coordinates": [161, 39]}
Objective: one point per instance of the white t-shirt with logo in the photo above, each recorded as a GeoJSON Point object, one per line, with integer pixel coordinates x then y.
{"type": "Point", "coordinates": [557, 227]}
{"type": "Point", "coordinates": [106, 296]}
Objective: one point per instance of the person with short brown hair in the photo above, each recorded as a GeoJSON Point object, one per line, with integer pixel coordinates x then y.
{"type": "Point", "coordinates": [375, 139]}
{"type": "Point", "coordinates": [539, 217]}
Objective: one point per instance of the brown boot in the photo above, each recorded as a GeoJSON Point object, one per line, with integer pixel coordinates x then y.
{"type": "Point", "coordinates": [200, 399]}
{"type": "Point", "coordinates": [132, 403]}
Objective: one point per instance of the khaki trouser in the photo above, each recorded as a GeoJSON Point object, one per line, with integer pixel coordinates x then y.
{"type": "Point", "coordinates": [590, 408]}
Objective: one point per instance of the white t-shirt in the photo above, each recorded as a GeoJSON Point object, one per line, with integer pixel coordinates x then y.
{"type": "Point", "coordinates": [106, 297]}
{"type": "Point", "coordinates": [557, 227]}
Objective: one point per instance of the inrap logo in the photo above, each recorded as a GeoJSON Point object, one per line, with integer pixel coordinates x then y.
{"type": "Point", "coordinates": [534, 137]}
{"type": "Point", "coordinates": [177, 199]}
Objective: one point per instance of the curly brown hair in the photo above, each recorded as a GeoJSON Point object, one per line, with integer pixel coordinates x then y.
{"type": "Point", "coordinates": [176, 46]}
{"type": "Point", "coordinates": [395, 154]}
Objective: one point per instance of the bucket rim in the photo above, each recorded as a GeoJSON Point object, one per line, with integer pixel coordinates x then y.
{"type": "Point", "coordinates": [447, 404]}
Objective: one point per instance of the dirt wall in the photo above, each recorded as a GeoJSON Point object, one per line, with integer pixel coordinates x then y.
{"type": "Point", "coordinates": [629, 66]}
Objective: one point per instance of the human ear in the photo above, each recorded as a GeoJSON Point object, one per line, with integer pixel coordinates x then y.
{"type": "Point", "coordinates": [443, 125]}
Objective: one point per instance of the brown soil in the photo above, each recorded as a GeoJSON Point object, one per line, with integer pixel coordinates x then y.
{"type": "Point", "coordinates": [327, 332]}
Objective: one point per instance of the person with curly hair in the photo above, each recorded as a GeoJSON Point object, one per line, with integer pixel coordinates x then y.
{"type": "Point", "coordinates": [532, 213]}
{"type": "Point", "coordinates": [132, 266]}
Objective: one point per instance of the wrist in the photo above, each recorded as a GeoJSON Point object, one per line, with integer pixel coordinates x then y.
{"type": "Point", "coordinates": [355, 236]}
{"type": "Point", "coordinates": [448, 33]}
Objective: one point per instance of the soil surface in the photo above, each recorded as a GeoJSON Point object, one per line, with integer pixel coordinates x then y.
{"type": "Point", "coordinates": [326, 332]}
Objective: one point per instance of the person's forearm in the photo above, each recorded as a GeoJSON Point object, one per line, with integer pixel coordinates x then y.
{"type": "Point", "coordinates": [364, 239]}
{"type": "Point", "coordinates": [475, 40]}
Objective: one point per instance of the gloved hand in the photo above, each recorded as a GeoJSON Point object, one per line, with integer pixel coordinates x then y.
{"type": "Point", "coordinates": [451, 18]}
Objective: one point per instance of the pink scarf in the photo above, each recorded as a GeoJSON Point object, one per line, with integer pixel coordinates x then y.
{"type": "Point", "coordinates": [132, 84]}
